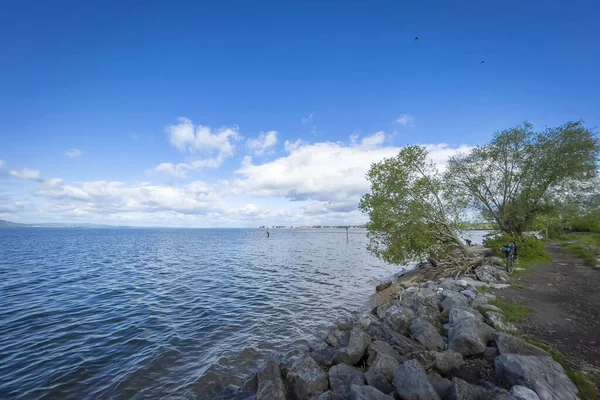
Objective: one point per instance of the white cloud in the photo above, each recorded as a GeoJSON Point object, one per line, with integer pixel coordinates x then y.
{"type": "Point", "coordinates": [306, 120]}
{"type": "Point", "coordinates": [187, 137]}
{"type": "Point", "coordinates": [26, 173]}
{"type": "Point", "coordinates": [263, 143]}
{"type": "Point", "coordinates": [405, 120]}
{"type": "Point", "coordinates": [74, 153]}
{"type": "Point", "coordinates": [2, 163]}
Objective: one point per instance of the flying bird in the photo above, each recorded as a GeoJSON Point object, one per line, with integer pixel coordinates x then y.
{"type": "Point", "coordinates": [483, 62]}
{"type": "Point", "coordinates": [417, 38]}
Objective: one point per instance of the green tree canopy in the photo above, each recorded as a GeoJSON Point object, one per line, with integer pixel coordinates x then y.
{"type": "Point", "coordinates": [522, 174]}
{"type": "Point", "coordinates": [409, 216]}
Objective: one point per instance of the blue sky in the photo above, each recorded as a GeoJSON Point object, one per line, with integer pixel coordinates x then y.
{"type": "Point", "coordinates": [180, 111]}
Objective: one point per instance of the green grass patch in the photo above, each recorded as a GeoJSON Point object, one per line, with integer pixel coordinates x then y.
{"type": "Point", "coordinates": [483, 289]}
{"type": "Point", "coordinates": [585, 246]}
{"type": "Point", "coordinates": [531, 251]}
{"type": "Point", "coordinates": [513, 312]}
{"type": "Point", "coordinates": [586, 387]}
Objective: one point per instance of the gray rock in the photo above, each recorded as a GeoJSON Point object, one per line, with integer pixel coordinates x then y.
{"type": "Point", "coordinates": [453, 299]}
{"type": "Point", "coordinates": [489, 307]}
{"type": "Point", "coordinates": [323, 356]}
{"type": "Point", "coordinates": [383, 286]}
{"type": "Point", "coordinates": [406, 297]}
{"type": "Point", "coordinates": [379, 347]}
{"type": "Point", "coordinates": [496, 320]}
{"type": "Point", "coordinates": [399, 318]}
{"type": "Point", "coordinates": [440, 384]}
{"type": "Point", "coordinates": [250, 385]}
{"type": "Point", "coordinates": [495, 261]}
{"type": "Point", "coordinates": [541, 374]}
{"type": "Point", "coordinates": [443, 362]}
{"type": "Point", "coordinates": [288, 360]}
{"type": "Point", "coordinates": [486, 273]}
{"type": "Point", "coordinates": [367, 393]}
{"type": "Point", "coordinates": [499, 285]}
{"type": "Point", "coordinates": [305, 379]}
{"type": "Point", "coordinates": [426, 304]}
{"type": "Point", "coordinates": [401, 343]}
{"type": "Point", "coordinates": [382, 310]}
{"type": "Point", "coordinates": [412, 383]}
{"type": "Point", "coordinates": [270, 384]}
{"type": "Point", "coordinates": [467, 334]}
{"type": "Point", "coordinates": [449, 284]}
{"type": "Point", "coordinates": [479, 301]}
{"type": "Point", "coordinates": [426, 334]}
{"type": "Point", "coordinates": [344, 324]}
{"type": "Point", "coordinates": [461, 390]}
{"type": "Point", "coordinates": [357, 344]}
{"type": "Point", "coordinates": [363, 322]}
{"type": "Point", "coordinates": [508, 344]}
{"type": "Point", "coordinates": [335, 338]}
{"type": "Point", "coordinates": [328, 395]}
{"type": "Point", "coordinates": [491, 353]}
{"type": "Point", "coordinates": [470, 294]}
{"type": "Point", "coordinates": [523, 393]}
{"type": "Point", "coordinates": [381, 373]}
{"type": "Point", "coordinates": [341, 376]}
{"type": "Point", "coordinates": [498, 394]}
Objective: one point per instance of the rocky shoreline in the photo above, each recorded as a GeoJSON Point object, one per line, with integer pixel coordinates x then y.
{"type": "Point", "coordinates": [424, 339]}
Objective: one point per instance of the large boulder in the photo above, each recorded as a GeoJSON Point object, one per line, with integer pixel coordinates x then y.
{"type": "Point", "coordinates": [335, 338]}
{"type": "Point", "coordinates": [328, 395]}
{"type": "Point", "coordinates": [426, 334]}
{"type": "Point", "coordinates": [323, 355]}
{"type": "Point", "coordinates": [305, 379]}
{"type": "Point", "coordinates": [382, 310]}
{"type": "Point", "coordinates": [523, 393]}
{"type": "Point", "coordinates": [443, 362]}
{"type": "Point", "coordinates": [383, 286]}
{"type": "Point", "coordinates": [399, 318]}
{"type": "Point", "coordinates": [541, 374]}
{"type": "Point", "coordinates": [495, 261]}
{"type": "Point", "coordinates": [440, 384]}
{"type": "Point", "coordinates": [288, 360]}
{"type": "Point", "coordinates": [402, 344]}
{"type": "Point", "coordinates": [270, 384]}
{"type": "Point", "coordinates": [479, 301]}
{"type": "Point", "coordinates": [379, 347]}
{"type": "Point", "coordinates": [344, 324]}
{"type": "Point", "coordinates": [367, 393]}
{"type": "Point", "coordinates": [496, 320]}
{"type": "Point", "coordinates": [461, 390]}
{"type": "Point", "coordinates": [412, 383]}
{"type": "Point", "coordinates": [470, 294]}
{"type": "Point", "coordinates": [381, 372]}
{"type": "Point", "coordinates": [491, 274]}
{"type": "Point", "coordinates": [467, 334]}
{"type": "Point", "coordinates": [508, 344]}
{"type": "Point", "coordinates": [426, 304]}
{"type": "Point", "coordinates": [341, 376]}
{"type": "Point", "coordinates": [353, 352]}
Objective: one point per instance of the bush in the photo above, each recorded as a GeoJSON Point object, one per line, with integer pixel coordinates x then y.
{"type": "Point", "coordinates": [530, 249]}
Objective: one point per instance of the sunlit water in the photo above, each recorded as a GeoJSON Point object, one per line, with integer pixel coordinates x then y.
{"type": "Point", "coordinates": [167, 313]}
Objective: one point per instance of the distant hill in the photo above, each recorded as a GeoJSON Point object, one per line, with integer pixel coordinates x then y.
{"type": "Point", "coordinates": [8, 224]}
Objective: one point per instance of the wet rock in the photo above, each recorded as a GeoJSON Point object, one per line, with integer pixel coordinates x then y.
{"type": "Point", "coordinates": [440, 384]}
{"type": "Point", "coordinates": [443, 362]}
{"type": "Point", "coordinates": [508, 344]}
{"type": "Point", "coordinates": [353, 352]}
{"type": "Point", "coordinates": [335, 338]}
{"type": "Point", "coordinates": [379, 347]}
{"type": "Point", "coordinates": [412, 383]}
{"type": "Point", "coordinates": [426, 334]}
{"type": "Point", "coordinates": [383, 286]}
{"type": "Point", "coordinates": [381, 372]}
{"type": "Point", "coordinates": [541, 374]}
{"type": "Point", "coordinates": [305, 379]}
{"type": "Point", "coordinates": [288, 360]}
{"type": "Point", "coordinates": [523, 393]}
{"type": "Point", "coordinates": [496, 320]}
{"type": "Point", "coordinates": [328, 395]}
{"type": "Point", "coordinates": [363, 322]}
{"type": "Point", "coordinates": [399, 318]}
{"type": "Point", "coordinates": [270, 384]}
{"type": "Point", "coordinates": [250, 385]}
{"type": "Point", "coordinates": [467, 334]}
{"type": "Point", "coordinates": [367, 393]}
{"type": "Point", "coordinates": [323, 356]}
{"type": "Point", "coordinates": [400, 343]}
{"type": "Point", "coordinates": [344, 324]}
{"type": "Point", "coordinates": [341, 376]}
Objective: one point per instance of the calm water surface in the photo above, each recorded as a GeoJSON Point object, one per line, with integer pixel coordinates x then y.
{"type": "Point", "coordinates": [166, 313]}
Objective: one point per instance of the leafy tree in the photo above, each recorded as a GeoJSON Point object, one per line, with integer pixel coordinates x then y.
{"type": "Point", "coordinates": [410, 217]}
{"type": "Point", "coordinates": [521, 174]}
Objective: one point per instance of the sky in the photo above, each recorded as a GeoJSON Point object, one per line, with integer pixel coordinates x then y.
{"type": "Point", "coordinates": [241, 114]}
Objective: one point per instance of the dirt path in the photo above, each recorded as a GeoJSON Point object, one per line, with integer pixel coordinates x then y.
{"type": "Point", "coordinates": [565, 295]}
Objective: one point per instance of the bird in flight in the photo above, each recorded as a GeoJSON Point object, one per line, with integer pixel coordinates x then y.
{"type": "Point", "coordinates": [417, 38]}
{"type": "Point", "coordinates": [483, 62]}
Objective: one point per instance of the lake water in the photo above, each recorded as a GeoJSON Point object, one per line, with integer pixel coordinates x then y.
{"type": "Point", "coordinates": [116, 313]}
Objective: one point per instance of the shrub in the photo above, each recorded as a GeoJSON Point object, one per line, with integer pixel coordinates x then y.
{"type": "Point", "coordinates": [530, 249]}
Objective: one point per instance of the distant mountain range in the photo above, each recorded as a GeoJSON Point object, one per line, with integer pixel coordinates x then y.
{"type": "Point", "coordinates": [8, 224]}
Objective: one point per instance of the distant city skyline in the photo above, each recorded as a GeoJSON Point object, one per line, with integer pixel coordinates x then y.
{"type": "Point", "coordinates": [188, 114]}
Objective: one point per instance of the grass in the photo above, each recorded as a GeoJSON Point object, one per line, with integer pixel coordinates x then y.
{"type": "Point", "coordinates": [586, 387]}
{"type": "Point", "coordinates": [585, 246]}
{"type": "Point", "coordinates": [512, 312]}
{"type": "Point", "coordinates": [483, 289]}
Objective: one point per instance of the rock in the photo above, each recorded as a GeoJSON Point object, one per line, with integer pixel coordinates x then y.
{"type": "Point", "coordinates": [498, 394]}
{"type": "Point", "coordinates": [412, 383]}
{"type": "Point", "coordinates": [401, 343]}
{"type": "Point", "coordinates": [486, 273]}
{"type": "Point", "coordinates": [449, 284]}
{"type": "Point", "coordinates": [328, 395]}
{"type": "Point", "coordinates": [523, 393]}
{"type": "Point", "coordinates": [454, 299]}
{"type": "Point", "coordinates": [305, 379]}
{"type": "Point", "coordinates": [426, 334]}
{"type": "Point", "coordinates": [479, 250]}
{"type": "Point", "coordinates": [357, 344]}
{"type": "Point", "coordinates": [444, 362]}
{"type": "Point", "coordinates": [383, 286]}
{"type": "Point", "coordinates": [379, 347]}
{"type": "Point", "coordinates": [496, 320]}
{"type": "Point", "coordinates": [495, 261]}
{"type": "Point", "coordinates": [344, 324]}
{"type": "Point", "coordinates": [334, 339]}
{"type": "Point", "coordinates": [270, 384]}
{"type": "Point", "coordinates": [399, 318]}
{"type": "Point", "coordinates": [367, 393]}
{"type": "Point", "coordinates": [467, 335]}
{"type": "Point", "coordinates": [499, 285]}
{"type": "Point", "coordinates": [470, 294]}
{"type": "Point", "coordinates": [440, 384]}
{"type": "Point", "coordinates": [508, 344]}
{"type": "Point", "coordinates": [426, 304]}
{"type": "Point", "coordinates": [468, 281]}
{"type": "Point", "coordinates": [479, 301]}
{"type": "Point", "coordinates": [541, 374]}
{"type": "Point", "coordinates": [382, 310]}
{"type": "Point", "coordinates": [490, 307]}
{"type": "Point", "coordinates": [288, 360]}
{"type": "Point", "coordinates": [341, 376]}
{"type": "Point", "coordinates": [488, 385]}
{"type": "Point", "coordinates": [406, 297]}
{"type": "Point", "coordinates": [491, 353]}
{"type": "Point", "coordinates": [250, 385]}
{"type": "Point", "coordinates": [461, 390]}
{"type": "Point", "coordinates": [381, 373]}
{"type": "Point", "coordinates": [363, 322]}
{"type": "Point", "coordinates": [323, 356]}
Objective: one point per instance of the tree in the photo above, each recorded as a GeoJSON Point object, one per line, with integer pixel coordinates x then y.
{"type": "Point", "coordinates": [410, 218]}
{"type": "Point", "coordinates": [520, 174]}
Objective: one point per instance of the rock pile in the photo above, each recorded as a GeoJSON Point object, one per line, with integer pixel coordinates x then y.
{"type": "Point", "coordinates": [439, 340]}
